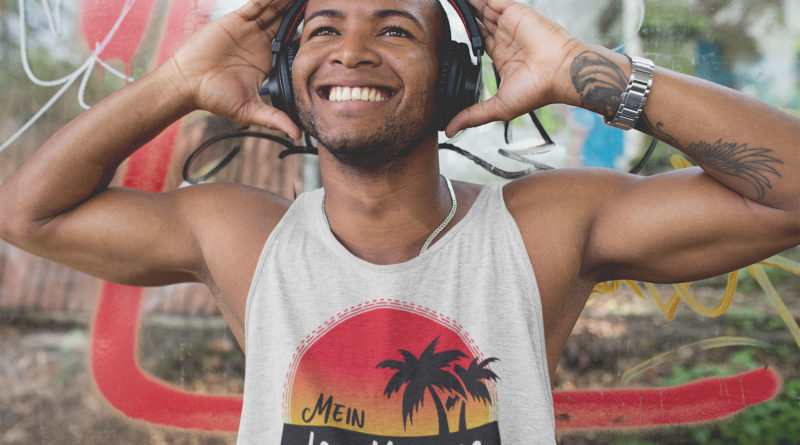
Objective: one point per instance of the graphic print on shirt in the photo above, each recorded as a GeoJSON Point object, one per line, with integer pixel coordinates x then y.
{"type": "Point", "coordinates": [388, 372]}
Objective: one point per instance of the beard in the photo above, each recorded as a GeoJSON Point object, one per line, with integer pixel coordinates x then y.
{"type": "Point", "coordinates": [368, 149]}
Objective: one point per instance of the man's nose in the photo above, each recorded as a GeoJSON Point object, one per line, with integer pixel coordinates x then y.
{"type": "Point", "coordinates": [355, 50]}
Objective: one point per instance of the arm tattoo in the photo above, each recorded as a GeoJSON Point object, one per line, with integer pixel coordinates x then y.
{"type": "Point", "coordinates": [645, 126]}
{"type": "Point", "coordinates": [755, 165]}
{"type": "Point", "coordinates": [599, 82]}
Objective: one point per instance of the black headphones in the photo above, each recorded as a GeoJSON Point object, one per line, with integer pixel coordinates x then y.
{"type": "Point", "coordinates": [457, 87]}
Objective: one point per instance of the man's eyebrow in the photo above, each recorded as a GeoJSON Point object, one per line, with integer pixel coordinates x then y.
{"type": "Point", "coordinates": [330, 13]}
{"type": "Point", "coordinates": [383, 13]}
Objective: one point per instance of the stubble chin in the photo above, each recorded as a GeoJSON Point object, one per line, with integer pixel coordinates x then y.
{"type": "Point", "coordinates": [367, 148]}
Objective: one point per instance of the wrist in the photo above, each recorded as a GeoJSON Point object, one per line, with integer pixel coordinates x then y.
{"type": "Point", "coordinates": [634, 99]}
{"type": "Point", "coordinates": [174, 87]}
{"type": "Point", "coordinates": [564, 89]}
{"type": "Point", "coordinates": [598, 77]}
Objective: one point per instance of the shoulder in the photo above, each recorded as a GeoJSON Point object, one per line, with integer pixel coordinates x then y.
{"type": "Point", "coordinates": [564, 201]}
{"type": "Point", "coordinates": [228, 204]}
{"type": "Point", "coordinates": [230, 224]}
{"type": "Point", "coordinates": [227, 217]}
{"type": "Point", "coordinates": [555, 212]}
{"type": "Point", "coordinates": [563, 188]}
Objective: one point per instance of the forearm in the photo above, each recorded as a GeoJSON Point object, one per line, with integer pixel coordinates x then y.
{"type": "Point", "coordinates": [748, 146]}
{"type": "Point", "coordinates": [80, 159]}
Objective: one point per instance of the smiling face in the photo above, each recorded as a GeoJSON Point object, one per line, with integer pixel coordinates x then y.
{"type": "Point", "coordinates": [364, 76]}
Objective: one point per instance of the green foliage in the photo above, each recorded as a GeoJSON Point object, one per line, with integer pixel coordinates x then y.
{"type": "Point", "coordinates": [745, 359]}
{"type": "Point", "coordinates": [775, 422]}
{"type": "Point", "coordinates": [671, 31]}
{"type": "Point", "coordinates": [777, 276]}
{"type": "Point", "coordinates": [745, 320]}
{"type": "Point", "coordinates": [742, 360]}
{"type": "Point", "coordinates": [681, 375]}
{"type": "Point", "coordinates": [665, 20]}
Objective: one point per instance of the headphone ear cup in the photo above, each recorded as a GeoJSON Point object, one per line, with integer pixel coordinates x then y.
{"type": "Point", "coordinates": [280, 82]}
{"type": "Point", "coordinates": [444, 86]}
{"type": "Point", "coordinates": [458, 84]}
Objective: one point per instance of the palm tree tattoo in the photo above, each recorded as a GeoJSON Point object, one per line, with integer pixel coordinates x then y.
{"type": "Point", "coordinates": [424, 374]}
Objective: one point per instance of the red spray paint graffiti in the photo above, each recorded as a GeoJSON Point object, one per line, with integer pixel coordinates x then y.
{"type": "Point", "coordinates": [139, 396]}
{"type": "Point", "coordinates": [699, 401]}
{"type": "Point", "coordinates": [113, 359]}
{"type": "Point", "coordinates": [98, 19]}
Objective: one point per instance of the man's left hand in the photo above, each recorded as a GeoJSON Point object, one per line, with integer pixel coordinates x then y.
{"type": "Point", "coordinates": [532, 55]}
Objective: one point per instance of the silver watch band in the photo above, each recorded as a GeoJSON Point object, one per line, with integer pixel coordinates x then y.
{"type": "Point", "coordinates": [634, 98]}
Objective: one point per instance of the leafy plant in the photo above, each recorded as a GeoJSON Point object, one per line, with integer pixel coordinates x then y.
{"type": "Point", "coordinates": [776, 422]}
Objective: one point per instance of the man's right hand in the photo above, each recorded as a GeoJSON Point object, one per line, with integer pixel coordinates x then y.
{"type": "Point", "coordinates": [59, 205]}
{"type": "Point", "coordinates": [222, 66]}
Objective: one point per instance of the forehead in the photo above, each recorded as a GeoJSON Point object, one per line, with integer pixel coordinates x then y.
{"type": "Point", "coordinates": [426, 12]}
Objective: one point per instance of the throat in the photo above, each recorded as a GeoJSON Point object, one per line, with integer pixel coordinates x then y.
{"type": "Point", "coordinates": [393, 241]}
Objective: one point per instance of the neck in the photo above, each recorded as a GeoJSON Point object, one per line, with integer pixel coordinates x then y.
{"type": "Point", "coordinates": [385, 215]}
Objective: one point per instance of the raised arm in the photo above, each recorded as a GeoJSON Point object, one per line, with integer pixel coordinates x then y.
{"type": "Point", "coordinates": [742, 205]}
{"type": "Point", "coordinates": [58, 204]}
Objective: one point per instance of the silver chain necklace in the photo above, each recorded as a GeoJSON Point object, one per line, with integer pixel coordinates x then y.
{"type": "Point", "coordinates": [436, 232]}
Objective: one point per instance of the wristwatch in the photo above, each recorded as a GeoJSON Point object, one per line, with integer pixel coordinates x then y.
{"type": "Point", "coordinates": [635, 97]}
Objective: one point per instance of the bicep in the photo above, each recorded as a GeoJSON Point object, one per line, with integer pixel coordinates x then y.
{"type": "Point", "coordinates": [122, 235]}
{"type": "Point", "coordinates": [680, 226]}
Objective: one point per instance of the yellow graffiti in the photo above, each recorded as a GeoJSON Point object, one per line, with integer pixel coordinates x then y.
{"type": "Point", "coordinates": [668, 306]}
{"type": "Point", "coordinates": [711, 343]}
{"type": "Point", "coordinates": [757, 271]}
{"type": "Point", "coordinates": [682, 294]}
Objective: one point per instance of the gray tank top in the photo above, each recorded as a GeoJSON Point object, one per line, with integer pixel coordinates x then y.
{"type": "Point", "coordinates": [447, 348]}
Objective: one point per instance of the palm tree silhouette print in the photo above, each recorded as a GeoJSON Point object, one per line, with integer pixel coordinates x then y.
{"type": "Point", "coordinates": [473, 379]}
{"type": "Point", "coordinates": [422, 374]}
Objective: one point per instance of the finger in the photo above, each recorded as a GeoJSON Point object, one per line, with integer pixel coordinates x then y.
{"type": "Point", "coordinates": [489, 10]}
{"type": "Point", "coordinates": [259, 113]}
{"type": "Point", "coordinates": [478, 114]}
{"type": "Point", "coordinates": [488, 37]}
{"type": "Point", "coordinates": [264, 12]}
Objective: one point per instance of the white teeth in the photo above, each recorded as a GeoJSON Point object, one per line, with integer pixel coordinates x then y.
{"type": "Point", "coordinates": [340, 94]}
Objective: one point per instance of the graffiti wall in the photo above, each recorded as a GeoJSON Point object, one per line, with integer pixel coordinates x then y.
{"type": "Point", "coordinates": [85, 361]}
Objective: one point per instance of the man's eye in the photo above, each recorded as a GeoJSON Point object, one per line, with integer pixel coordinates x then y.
{"type": "Point", "coordinates": [396, 32]}
{"type": "Point", "coordinates": [323, 31]}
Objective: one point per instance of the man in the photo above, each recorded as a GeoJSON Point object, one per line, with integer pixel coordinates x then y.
{"type": "Point", "coordinates": [337, 303]}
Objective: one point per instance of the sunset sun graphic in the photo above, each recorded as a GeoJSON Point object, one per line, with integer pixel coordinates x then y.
{"type": "Point", "coordinates": [390, 370]}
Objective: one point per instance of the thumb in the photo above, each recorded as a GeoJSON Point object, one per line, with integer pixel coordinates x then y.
{"type": "Point", "coordinates": [481, 113]}
{"type": "Point", "coordinates": [259, 113]}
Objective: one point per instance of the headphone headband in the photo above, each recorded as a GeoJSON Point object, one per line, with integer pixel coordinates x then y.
{"type": "Point", "coordinates": [470, 24]}
{"type": "Point", "coordinates": [295, 13]}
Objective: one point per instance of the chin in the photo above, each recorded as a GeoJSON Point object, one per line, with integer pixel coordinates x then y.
{"type": "Point", "coordinates": [366, 152]}
{"type": "Point", "coordinates": [372, 146]}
